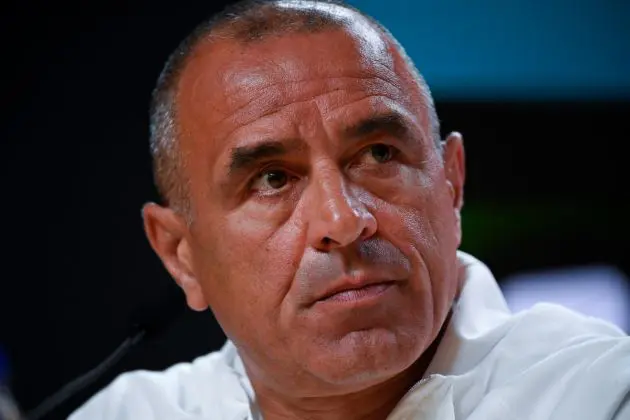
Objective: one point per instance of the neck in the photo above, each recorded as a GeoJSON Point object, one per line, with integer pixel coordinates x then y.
{"type": "Point", "coordinates": [372, 403]}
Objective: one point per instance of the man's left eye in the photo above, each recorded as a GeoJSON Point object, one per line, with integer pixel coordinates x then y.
{"type": "Point", "coordinates": [382, 153]}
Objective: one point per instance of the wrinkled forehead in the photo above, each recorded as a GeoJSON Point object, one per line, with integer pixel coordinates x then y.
{"type": "Point", "coordinates": [226, 75]}
{"type": "Point", "coordinates": [228, 84]}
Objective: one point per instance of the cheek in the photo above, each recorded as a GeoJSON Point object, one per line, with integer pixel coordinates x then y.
{"type": "Point", "coordinates": [418, 204]}
{"type": "Point", "coordinates": [248, 270]}
{"type": "Point", "coordinates": [421, 223]}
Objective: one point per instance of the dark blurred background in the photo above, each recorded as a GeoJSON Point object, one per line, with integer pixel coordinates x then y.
{"type": "Point", "coordinates": [540, 90]}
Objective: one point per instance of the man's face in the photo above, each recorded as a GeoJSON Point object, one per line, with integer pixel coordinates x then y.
{"type": "Point", "coordinates": [313, 171]}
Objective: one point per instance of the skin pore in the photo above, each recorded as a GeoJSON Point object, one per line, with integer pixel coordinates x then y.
{"type": "Point", "coordinates": [312, 167]}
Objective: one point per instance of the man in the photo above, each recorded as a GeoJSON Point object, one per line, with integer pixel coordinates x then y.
{"type": "Point", "coordinates": [311, 204]}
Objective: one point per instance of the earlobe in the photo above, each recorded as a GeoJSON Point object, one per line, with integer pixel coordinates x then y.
{"type": "Point", "coordinates": [457, 206]}
{"type": "Point", "coordinates": [167, 233]}
{"type": "Point", "coordinates": [187, 279]}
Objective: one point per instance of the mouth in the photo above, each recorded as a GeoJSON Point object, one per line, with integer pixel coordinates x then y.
{"type": "Point", "coordinates": [358, 292]}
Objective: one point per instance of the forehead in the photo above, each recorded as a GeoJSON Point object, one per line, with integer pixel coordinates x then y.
{"type": "Point", "coordinates": [228, 85]}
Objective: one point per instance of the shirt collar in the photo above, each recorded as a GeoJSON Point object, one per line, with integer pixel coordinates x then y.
{"type": "Point", "coordinates": [476, 323]}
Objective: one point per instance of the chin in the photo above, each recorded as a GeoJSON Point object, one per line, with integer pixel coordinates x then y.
{"type": "Point", "coordinates": [364, 358]}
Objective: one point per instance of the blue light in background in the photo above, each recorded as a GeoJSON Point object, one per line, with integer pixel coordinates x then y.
{"type": "Point", "coordinates": [517, 49]}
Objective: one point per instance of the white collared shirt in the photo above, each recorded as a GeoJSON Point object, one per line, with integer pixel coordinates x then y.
{"type": "Point", "coordinates": [544, 363]}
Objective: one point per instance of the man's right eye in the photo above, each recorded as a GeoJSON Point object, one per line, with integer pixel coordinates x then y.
{"type": "Point", "coordinates": [271, 181]}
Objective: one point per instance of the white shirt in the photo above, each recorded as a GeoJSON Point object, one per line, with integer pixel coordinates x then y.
{"type": "Point", "coordinates": [544, 363]}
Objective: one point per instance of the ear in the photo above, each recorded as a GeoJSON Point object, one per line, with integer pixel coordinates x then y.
{"type": "Point", "coordinates": [455, 171]}
{"type": "Point", "coordinates": [169, 237]}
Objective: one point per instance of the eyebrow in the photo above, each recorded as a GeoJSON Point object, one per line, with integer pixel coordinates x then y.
{"type": "Point", "coordinates": [391, 123]}
{"type": "Point", "coordinates": [245, 157]}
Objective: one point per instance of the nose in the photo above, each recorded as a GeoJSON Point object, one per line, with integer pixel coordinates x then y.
{"type": "Point", "coordinates": [337, 217]}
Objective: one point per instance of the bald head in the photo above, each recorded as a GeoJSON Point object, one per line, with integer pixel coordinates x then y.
{"type": "Point", "coordinates": [249, 22]}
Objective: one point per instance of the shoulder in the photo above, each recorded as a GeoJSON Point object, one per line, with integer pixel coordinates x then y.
{"type": "Point", "coordinates": [169, 394]}
{"type": "Point", "coordinates": [549, 333]}
{"type": "Point", "coordinates": [578, 363]}
{"type": "Point", "coordinates": [565, 322]}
